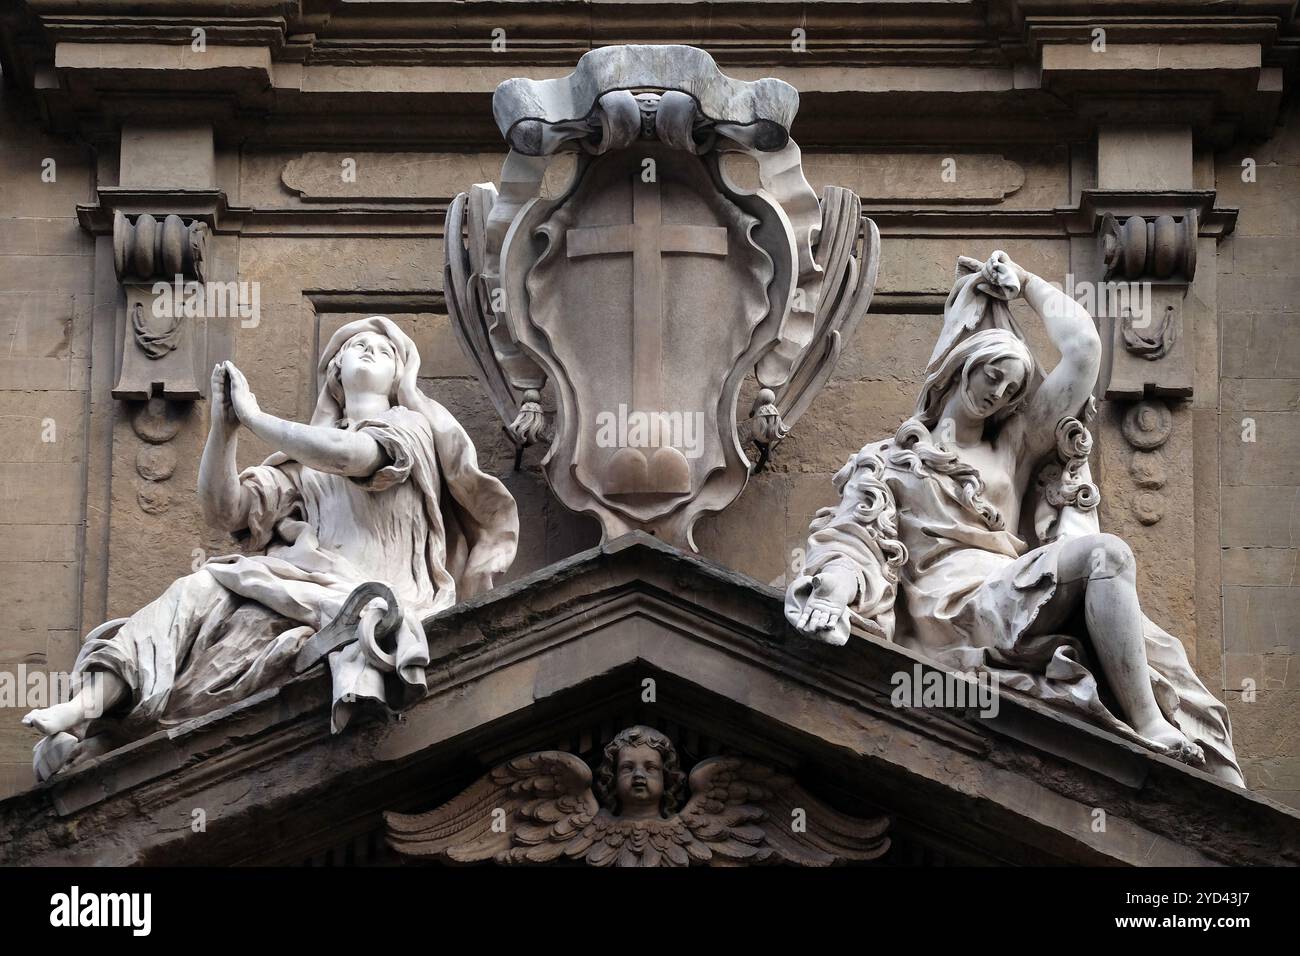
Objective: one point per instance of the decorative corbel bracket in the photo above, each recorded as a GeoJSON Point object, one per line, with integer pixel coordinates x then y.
{"type": "Point", "coordinates": [1153, 259]}
{"type": "Point", "coordinates": [160, 265]}
{"type": "Point", "coordinates": [1147, 255]}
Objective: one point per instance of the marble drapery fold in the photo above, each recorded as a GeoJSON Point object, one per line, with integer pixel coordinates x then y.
{"type": "Point", "coordinates": [429, 524]}
{"type": "Point", "coordinates": [972, 581]}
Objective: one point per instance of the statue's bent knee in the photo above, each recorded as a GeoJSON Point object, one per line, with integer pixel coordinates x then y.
{"type": "Point", "coordinates": [1111, 557]}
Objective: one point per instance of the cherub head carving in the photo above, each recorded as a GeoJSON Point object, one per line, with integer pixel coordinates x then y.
{"type": "Point", "coordinates": [635, 813]}
{"type": "Point", "coordinates": [640, 776]}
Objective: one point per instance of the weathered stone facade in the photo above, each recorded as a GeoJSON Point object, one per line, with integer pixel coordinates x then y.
{"type": "Point", "coordinates": [321, 144]}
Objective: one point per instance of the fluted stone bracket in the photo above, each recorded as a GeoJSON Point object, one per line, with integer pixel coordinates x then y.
{"type": "Point", "coordinates": [159, 260]}
{"type": "Point", "coordinates": [1146, 263]}
{"type": "Point", "coordinates": [1154, 257]}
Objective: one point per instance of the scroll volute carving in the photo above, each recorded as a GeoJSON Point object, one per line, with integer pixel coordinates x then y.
{"type": "Point", "coordinates": [157, 357]}
{"type": "Point", "coordinates": [1160, 248]}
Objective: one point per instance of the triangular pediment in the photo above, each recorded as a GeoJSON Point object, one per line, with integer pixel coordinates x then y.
{"type": "Point", "coordinates": [638, 632]}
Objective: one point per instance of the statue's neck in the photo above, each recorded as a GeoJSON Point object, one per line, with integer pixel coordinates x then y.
{"type": "Point", "coordinates": [966, 429]}
{"type": "Point", "coordinates": [361, 407]}
{"type": "Point", "coordinates": [639, 811]}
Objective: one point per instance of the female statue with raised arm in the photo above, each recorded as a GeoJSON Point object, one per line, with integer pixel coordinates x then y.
{"type": "Point", "coordinates": [979, 514]}
{"type": "Point", "coordinates": [382, 486]}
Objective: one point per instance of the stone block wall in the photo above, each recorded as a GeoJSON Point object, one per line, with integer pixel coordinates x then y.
{"type": "Point", "coordinates": [1258, 433]}
{"type": "Point", "coordinates": [46, 274]}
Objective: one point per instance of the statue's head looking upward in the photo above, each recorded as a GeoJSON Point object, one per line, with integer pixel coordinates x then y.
{"type": "Point", "coordinates": [367, 364]}
{"type": "Point", "coordinates": [640, 775]}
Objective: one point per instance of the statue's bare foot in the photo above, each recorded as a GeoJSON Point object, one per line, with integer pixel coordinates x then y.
{"type": "Point", "coordinates": [1174, 743]}
{"type": "Point", "coordinates": [57, 719]}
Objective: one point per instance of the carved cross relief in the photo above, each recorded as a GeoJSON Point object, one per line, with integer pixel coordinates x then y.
{"type": "Point", "coordinates": [647, 238]}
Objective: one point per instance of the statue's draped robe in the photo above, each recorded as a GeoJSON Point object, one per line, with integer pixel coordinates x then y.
{"type": "Point", "coordinates": [969, 594]}
{"type": "Point", "coordinates": [429, 524]}
{"type": "Point", "coordinates": [972, 595]}
{"type": "Point", "coordinates": [234, 626]}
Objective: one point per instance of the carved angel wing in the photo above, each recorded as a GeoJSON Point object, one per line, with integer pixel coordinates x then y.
{"type": "Point", "coordinates": [527, 810]}
{"type": "Point", "coordinates": [744, 813]}
{"type": "Point", "coordinates": [848, 259]}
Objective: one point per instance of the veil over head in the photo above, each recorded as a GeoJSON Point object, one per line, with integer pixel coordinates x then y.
{"type": "Point", "coordinates": [974, 304]}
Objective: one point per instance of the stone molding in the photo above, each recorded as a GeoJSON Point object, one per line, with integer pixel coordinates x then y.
{"type": "Point", "coordinates": [1021, 787]}
{"type": "Point", "coordinates": [270, 70]}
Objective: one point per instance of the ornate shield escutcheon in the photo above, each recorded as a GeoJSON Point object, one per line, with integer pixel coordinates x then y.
{"type": "Point", "coordinates": [645, 286]}
{"type": "Point", "coordinates": [638, 299]}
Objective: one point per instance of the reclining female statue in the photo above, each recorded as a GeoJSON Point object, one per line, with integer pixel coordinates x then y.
{"type": "Point", "coordinates": [382, 486]}
{"type": "Point", "coordinates": [979, 513]}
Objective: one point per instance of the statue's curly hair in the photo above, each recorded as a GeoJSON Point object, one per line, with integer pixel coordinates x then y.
{"type": "Point", "coordinates": [641, 736]}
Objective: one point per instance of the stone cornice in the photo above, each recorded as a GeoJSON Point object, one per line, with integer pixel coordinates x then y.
{"type": "Point", "coordinates": [321, 70]}
{"type": "Point", "coordinates": [427, 218]}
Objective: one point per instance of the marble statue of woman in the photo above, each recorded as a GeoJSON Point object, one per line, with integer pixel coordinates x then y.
{"type": "Point", "coordinates": [383, 485]}
{"type": "Point", "coordinates": [971, 535]}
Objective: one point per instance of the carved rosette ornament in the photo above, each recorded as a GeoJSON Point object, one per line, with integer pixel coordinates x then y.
{"type": "Point", "coordinates": [652, 285]}
{"type": "Point", "coordinates": [1147, 425]}
{"type": "Point", "coordinates": [545, 808]}
{"type": "Point", "coordinates": [156, 422]}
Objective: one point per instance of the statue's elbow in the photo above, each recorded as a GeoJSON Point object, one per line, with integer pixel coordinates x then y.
{"type": "Point", "coordinates": [364, 462]}
{"type": "Point", "coordinates": [221, 517]}
{"type": "Point", "coordinates": [1085, 347]}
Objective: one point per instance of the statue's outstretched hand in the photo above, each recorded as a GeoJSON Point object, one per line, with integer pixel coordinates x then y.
{"type": "Point", "coordinates": [241, 396]}
{"type": "Point", "coordinates": [833, 589]}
